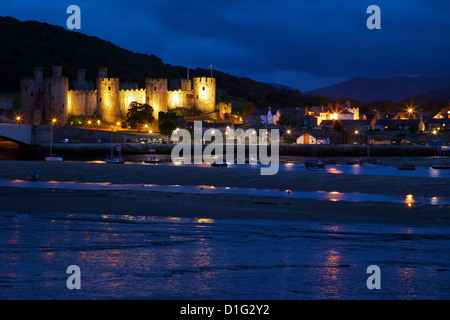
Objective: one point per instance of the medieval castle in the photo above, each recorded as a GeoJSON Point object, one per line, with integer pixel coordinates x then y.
{"type": "Point", "coordinates": [109, 100]}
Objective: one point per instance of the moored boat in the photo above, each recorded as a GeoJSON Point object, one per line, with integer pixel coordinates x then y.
{"type": "Point", "coordinates": [441, 166]}
{"type": "Point", "coordinates": [53, 158]}
{"type": "Point", "coordinates": [118, 160]}
{"type": "Point", "coordinates": [219, 164]}
{"type": "Point", "coordinates": [406, 166]}
{"type": "Point", "coordinates": [152, 159]}
{"type": "Point", "coordinates": [315, 165]}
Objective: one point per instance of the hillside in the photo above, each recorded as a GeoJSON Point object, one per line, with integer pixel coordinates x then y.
{"type": "Point", "coordinates": [395, 89]}
{"type": "Point", "coordinates": [25, 45]}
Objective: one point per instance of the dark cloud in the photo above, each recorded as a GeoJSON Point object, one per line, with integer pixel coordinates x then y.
{"type": "Point", "coordinates": [304, 44]}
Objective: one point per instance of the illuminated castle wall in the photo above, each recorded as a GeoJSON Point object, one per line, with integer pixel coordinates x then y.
{"type": "Point", "coordinates": [42, 99]}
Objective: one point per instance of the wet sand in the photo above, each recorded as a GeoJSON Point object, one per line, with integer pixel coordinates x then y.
{"type": "Point", "coordinates": [220, 206]}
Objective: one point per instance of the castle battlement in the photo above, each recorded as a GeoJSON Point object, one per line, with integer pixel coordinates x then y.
{"type": "Point", "coordinates": [132, 90]}
{"type": "Point", "coordinates": [83, 91]}
{"type": "Point", "coordinates": [205, 80]}
{"type": "Point", "coordinates": [108, 79]}
{"type": "Point", "coordinates": [156, 80]}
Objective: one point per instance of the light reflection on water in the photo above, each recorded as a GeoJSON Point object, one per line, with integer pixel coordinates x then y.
{"type": "Point", "coordinates": [204, 189]}
{"type": "Point", "coordinates": [195, 258]}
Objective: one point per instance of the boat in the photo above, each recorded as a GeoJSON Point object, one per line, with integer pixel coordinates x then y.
{"type": "Point", "coordinates": [406, 166]}
{"type": "Point", "coordinates": [252, 159]}
{"type": "Point", "coordinates": [441, 166]}
{"type": "Point", "coordinates": [117, 160]}
{"type": "Point", "coordinates": [315, 165]}
{"type": "Point", "coordinates": [219, 164]}
{"type": "Point", "coordinates": [370, 163]}
{"type": "Point", "coordinates": [152, 159]}
{"type": "Point", "coordinates": [112, 158]}
{"type": "Point", "coordinates": [32, 176]}
{"type": "Point", "coordinates": [52, 157]}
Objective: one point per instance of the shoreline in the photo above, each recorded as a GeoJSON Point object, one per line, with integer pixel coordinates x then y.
{"type": "Point", "coordinates": [154, 203]}
{"type": "Point", "coordinates": [178, 205]}
{"type": "Point", "coordinates": [136, 173]}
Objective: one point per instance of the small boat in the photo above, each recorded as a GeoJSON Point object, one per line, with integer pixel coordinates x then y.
{"type": "Point", "coordinates": [406, 166]}
{"type": "Point", "coordinates": [32, 176]}
{"type": "Point", "coordinates": [152, 159]}
{"type": "Point", "coordinates": [53, 158]}
{"type": "Point", "coordinates": [370, 163]}
{"type": "Point", "coordinates": [445, 165]}
{"type": "Point", "coordinates": [219, 164]}
{"type": "Point", "coordinates": [315, 165]}
{"type": "Point", "coordinates": [112, 158]}
{"type": "Point", "coordinates": [252, 159]}
{"type": "Point", "coordinates": [117, 160]}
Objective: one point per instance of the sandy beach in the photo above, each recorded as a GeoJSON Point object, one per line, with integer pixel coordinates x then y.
{"type": "Point", "coordinates": [220, 206]}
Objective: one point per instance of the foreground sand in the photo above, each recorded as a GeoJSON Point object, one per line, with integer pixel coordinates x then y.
{"type": "Point", "coordinates": [220, 206]}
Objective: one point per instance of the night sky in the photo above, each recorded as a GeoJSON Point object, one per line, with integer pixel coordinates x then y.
{"type": "Point", "coordinates": [305, 44]}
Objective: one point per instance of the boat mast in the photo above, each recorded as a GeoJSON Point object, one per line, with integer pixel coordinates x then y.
{"type": "Point", "coordinates": [112, 145]}
{"type": "Point", "coordinates": [51, 139]}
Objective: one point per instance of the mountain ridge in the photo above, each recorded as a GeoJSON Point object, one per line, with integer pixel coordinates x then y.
{"type": "Point", "coordinates": [396, 89]}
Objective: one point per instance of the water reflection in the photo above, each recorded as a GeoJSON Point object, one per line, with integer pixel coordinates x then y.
{"type": "Point", "coordinates": [204, 189]}
{"type": "Point", "coordinates": [174, 258]}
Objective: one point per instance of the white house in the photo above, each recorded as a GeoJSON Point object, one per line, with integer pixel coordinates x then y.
{"type": "Point", "coordinates": [313, 138]}
{"type": "Point", "coordinates": [267, 115]}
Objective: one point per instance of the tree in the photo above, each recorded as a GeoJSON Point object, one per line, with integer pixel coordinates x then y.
{"type": "Point", "coordinates": [249, 108]}
{"type": "Point", "coordinates": [167, 126]}
{"type": "Point", "coordinates": [288, 119]}
{"type": "Point", "coordinates": [139, 114]}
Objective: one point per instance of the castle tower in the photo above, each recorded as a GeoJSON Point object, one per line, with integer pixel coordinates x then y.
{"type": "Point", "coordinates": [107, 96]}
{"type": "Point", "coordinates": [31, 97]}
{"type": "Point", "coordinates": [186, 85]}
{"type": "Point", "coordinates": [156, 95]}
{"type": "Point", "coordinates": [205, 94]}
{"type": "Point", "coordinates": [81, 83]}
{"type": "Point", "coordinates": [56, 94]}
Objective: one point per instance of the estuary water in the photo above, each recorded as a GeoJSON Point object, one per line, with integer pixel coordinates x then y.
{"type": "Point", "coordinates": [149, 257]}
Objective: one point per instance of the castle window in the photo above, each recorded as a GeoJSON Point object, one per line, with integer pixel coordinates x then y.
{"type": "Point", "coordinates": [154, 88]}
{"type": "Point", "coordinates": [204, 88]}
{"type": "Point", "coordinates": [109, 88]}
{"type": "Point", "coordinates": [100, 99]}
